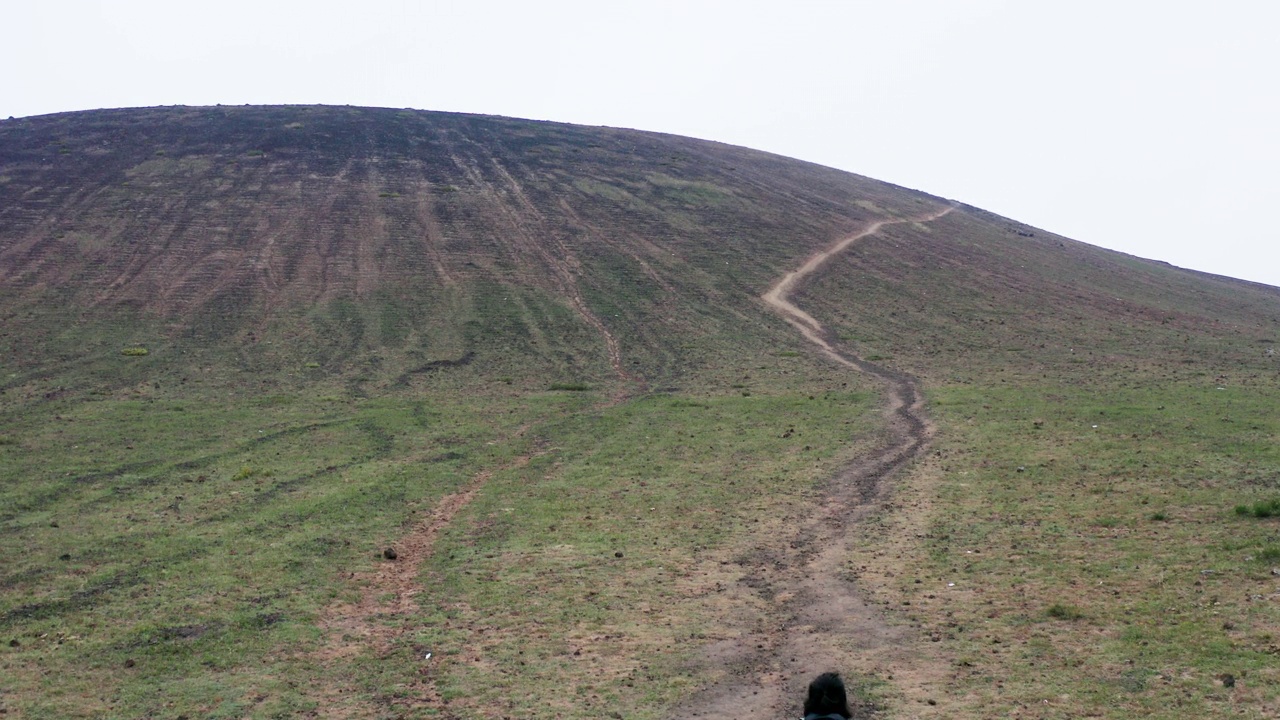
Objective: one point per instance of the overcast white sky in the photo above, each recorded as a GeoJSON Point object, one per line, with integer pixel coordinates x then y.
{"type": "Point", "coordinates": [1151, 127]}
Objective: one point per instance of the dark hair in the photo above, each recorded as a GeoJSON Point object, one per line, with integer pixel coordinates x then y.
{"type": "Point", "coordinates": [827, 697]}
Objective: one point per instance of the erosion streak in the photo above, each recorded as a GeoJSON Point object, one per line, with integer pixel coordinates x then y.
{"type": "Point", "coordinates": [562, 263]}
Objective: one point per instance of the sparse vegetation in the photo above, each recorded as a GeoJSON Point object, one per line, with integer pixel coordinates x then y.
{"type": "Point", "coordinates": [135, 351]}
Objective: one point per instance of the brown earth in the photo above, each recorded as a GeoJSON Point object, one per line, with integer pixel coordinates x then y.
{"type": "Point", "coordinates": [354, 231]}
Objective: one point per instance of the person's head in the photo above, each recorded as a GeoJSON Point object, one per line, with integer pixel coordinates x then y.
{"type": "Point", "coordinates": [827, 697]}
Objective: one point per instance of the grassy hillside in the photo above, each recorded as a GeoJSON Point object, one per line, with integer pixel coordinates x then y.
{"type": "Point", "coordinates": [247, 350]}
{"type": "Point", "coordinates": [1072, 546]}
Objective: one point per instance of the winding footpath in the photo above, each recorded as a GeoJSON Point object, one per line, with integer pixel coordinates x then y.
{"type": "Point", "coordinates": [814, 611]}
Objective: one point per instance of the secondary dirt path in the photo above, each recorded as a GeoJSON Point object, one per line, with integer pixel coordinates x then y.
{"type": "Point", "coordinates": [390, 592]}
{"type": "Point", "coordinates": [816, 618]}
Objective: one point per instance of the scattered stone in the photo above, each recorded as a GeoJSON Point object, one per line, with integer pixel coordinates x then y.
{"type": "Point", "coordinates": [64, 556]}
{"type": "Point", "coordinates": [14, 643]}
{"type": "Point", "coordinates": [129, 663]}
{"type": "Point", "coordinates": [53, 523]}
{"type": "Point", "coordinates": [1228, 680]}
{"type": "Point", "coordinates": [389, 553]}
{"type": "Point", "coordinates": [618, 554]}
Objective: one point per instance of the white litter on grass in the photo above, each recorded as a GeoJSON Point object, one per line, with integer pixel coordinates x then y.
{"type": "Point", "coordinates": [427, 656]}
{"type": "Point", "coordinates": [1095, 426]}
{"type": "Point", "coordinates": [951, 584]}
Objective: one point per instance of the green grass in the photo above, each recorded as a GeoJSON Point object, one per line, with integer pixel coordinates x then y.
{"type": "Point", "coordinates": [208, 517]}
{"type": "Point", "coordinates": [670, 484]}
{"type": "Point", "coordinates": [1160, 602]}
{"type": "Point", "coordinates": [202, 539]}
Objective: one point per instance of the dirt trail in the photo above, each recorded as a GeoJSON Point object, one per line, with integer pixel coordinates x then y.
{"type": "Point", "coordinates": [817, 619]}
{"type": "Point", "coordinates": [778, 295]}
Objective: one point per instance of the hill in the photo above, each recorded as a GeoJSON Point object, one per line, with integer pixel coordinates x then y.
{"type": "Point", "coordinates": [970, 463]}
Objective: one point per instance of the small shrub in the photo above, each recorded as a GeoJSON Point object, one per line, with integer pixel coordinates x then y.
{"type": "Point", "coordinates": [1159, 516]}
{"type": "Point", "coordinates": [1268, 554]}
{"type": "Point", "coordinates": [244, 473]}
{"type": "Point", "coordinates": [1267, 508]}
{"type": "Point", "coordinates": [683, 403]}
{"type": "Point", "coordinates": [571, 387]}
{"type": "Point", "coordinates": [6, 440]}
{"type": "Point", "coordinates": [1058, 611]}
{"type": "Point", "coordinates": [255, 153]}
{"type": "Point", "coordinates": [1260, 509]}
{"type": "Point", "coordinates": [136, 351]}
{"type": "Point", "coordinates": [312, 365]}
